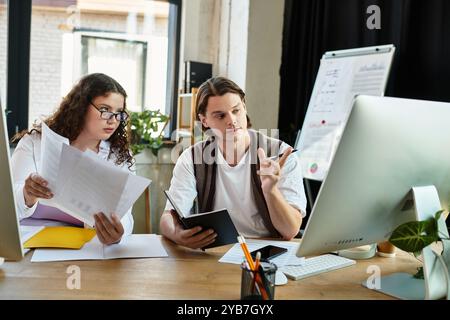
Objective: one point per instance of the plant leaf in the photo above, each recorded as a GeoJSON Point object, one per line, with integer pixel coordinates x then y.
{"type": "Point", "coordinates": [438, 215]}
{"type": "Point", "coordinates": [415, 235]}
{"type": "Point", "coordinates": [145, 130]}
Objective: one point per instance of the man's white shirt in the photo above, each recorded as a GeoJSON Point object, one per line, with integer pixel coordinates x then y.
{"type": "Point", "coordinates": [233, 190]}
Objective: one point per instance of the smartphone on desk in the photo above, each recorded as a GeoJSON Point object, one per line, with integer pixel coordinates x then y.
{"type": "Point", "coordinates": [268, 252]}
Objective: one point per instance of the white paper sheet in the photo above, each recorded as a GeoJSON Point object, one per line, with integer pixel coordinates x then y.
{"type": "Point", "coordinates": [85, 184]}
{"type": "Point", "coordinates": [236, 256]}
{"type": "Point", "coordinates": [93, 187]}
{"type": "Point", "coordinates": [51, 148]}
{"type": "Point", "coordinates": [133, 246]}
{"type": "Point", "coordinates": [136, 246]}
{"type": "Point", "coordinates": [338, 81]}
{"type": "Point", "coordinates": [134, 187]}
{"type": "Point", "coordinates": [26, 232]}
{"type": "Point", "coordinates": [68, 160]}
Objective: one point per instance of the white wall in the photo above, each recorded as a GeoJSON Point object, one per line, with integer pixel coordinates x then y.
{"type": "Point", "coordinates": [242, 38]}
{"type": "Point", "coordinates": [45, 63]}
{"type": "Point", "coordinates": [236, 24]}
{"type": "Point", "coordinates": [265, 30]}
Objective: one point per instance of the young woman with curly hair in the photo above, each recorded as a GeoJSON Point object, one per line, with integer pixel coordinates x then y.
{"type": "Point", "coordinates": [92, 116]}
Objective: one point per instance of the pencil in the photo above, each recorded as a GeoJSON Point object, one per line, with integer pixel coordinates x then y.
{"type": "Point", "coordinates": [249, 259]}
{"type": "Point", "coordinates": [258, 257]}
{"type": "Point", "coordinates": [280, 155]}
{"type": "Point", "coordinates": [253, 277]}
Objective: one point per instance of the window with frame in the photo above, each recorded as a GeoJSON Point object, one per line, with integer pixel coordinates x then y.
{"type": "Point", "coordinates": [120, 59]}
{"type": "Point", "coordinates": [130, 40]}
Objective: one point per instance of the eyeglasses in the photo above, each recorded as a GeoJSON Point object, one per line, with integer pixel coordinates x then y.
{"type": "Point", "coordinates": [107, 115]}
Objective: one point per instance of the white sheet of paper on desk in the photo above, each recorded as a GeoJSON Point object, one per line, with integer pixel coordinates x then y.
{"type": "Point", "coordinates": [90, 251]}
{"type": "Point", "coordinates": [136, 246]}
{"type": "Point", "coordinates": [51, 149]}
{"type": "Point", "coordinates": [133, 246]}
{"type": "Point", "coordinates": [236, 256]}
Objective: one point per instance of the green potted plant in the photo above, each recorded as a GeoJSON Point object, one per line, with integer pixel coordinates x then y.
{"type": "Point", "coordinates": [414, 236]}
{"type": "Point", "coordinates": [146, 132]}
{"type": "Point", "coordinates": [147, 129]}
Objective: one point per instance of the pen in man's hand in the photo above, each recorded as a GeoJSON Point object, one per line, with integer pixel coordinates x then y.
{"type": "Point", "coordinates": [280, 155]}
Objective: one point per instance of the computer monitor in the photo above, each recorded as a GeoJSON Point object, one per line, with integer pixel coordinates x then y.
{"type": "Point", "coordinates": [10, 244]}
{"type": "Point", "coordinates": [389, 145]}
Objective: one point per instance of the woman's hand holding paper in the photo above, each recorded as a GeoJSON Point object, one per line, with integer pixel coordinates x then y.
{"type": "Point", "coordinates": [108, 232]}
{"type": "Point", "coordinates": [35, 187]}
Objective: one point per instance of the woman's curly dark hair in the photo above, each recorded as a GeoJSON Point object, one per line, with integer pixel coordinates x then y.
{"type": "Point", "coordinates": [69, 119]}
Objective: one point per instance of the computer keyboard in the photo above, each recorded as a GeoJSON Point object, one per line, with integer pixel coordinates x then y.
{"type": "Point", "coordinates": [316, 265]}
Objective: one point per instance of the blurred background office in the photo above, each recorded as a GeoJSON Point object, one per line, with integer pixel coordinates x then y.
{"type": "Point", "coordinates": [271, 48]}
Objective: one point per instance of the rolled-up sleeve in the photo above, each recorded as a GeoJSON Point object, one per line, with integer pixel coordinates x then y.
{"type": "Point", "coordinates": [183, 183]}
{"type": "Point", "coordinates": [291, 183]}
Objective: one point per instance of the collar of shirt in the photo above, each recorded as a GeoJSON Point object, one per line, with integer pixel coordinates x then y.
{"type": "Point", "coordinates": [104, 149]}
{"type": "Point", "coordinates": [222, 161]}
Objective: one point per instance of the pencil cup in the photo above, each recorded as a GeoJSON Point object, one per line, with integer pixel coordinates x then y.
{"type": "Point", "coordinates": [258, 285]}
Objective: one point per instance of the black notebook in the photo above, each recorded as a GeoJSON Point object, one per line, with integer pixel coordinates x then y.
{"type": "Point", "coordinates": [218, 220]}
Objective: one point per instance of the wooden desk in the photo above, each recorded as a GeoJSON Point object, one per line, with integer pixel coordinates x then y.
{"type": "Point", "coordinates": [185, 274]}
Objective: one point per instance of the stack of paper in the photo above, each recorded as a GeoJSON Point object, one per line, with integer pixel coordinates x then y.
{"type": "Point", "coordinates": [26, 232]}
{"type": "Point", "coordinates": [60, 237]}
{"type": "Point", "coordinates": [82, 183]}
{"type": "Point", "coordinates": [133, 246]}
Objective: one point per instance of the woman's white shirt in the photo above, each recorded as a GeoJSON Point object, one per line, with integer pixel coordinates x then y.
{"type": "Point", "coordinates": [26, 159]}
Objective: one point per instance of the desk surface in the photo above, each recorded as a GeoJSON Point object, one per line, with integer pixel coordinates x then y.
{"type": "Point", "coordinates": [185, 274]}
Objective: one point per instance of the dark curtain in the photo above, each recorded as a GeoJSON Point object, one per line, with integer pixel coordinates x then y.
{"type": "Point", "coordinates": [420, 31]}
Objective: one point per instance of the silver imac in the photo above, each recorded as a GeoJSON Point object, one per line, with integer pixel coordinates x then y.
{"type": "Point", "coordinates": [10, 244]}
{"type": "Point", "coordinates": [389, 145]}
{"type": "Point", "coordinates": [392, 165]}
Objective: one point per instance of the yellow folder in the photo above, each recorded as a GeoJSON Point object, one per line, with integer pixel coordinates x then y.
{"type": "Point", "coordinates": [60, 237]}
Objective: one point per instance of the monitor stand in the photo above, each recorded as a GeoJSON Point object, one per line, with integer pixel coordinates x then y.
{"type": "Point", "coordinates": [435, 284]}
